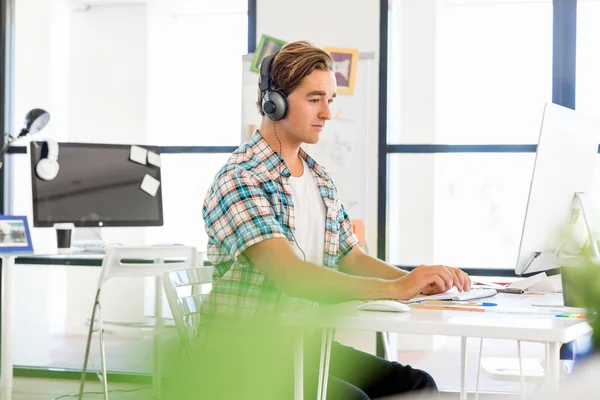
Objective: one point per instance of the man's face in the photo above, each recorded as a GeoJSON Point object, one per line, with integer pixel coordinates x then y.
{"type": "Point", "coordinates": [309, 107]}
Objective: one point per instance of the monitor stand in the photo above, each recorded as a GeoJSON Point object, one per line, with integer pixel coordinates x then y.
{"type": "Point", "coordinates": [88, 240]}
{"type": "Point", "coordinates": [553, 259]}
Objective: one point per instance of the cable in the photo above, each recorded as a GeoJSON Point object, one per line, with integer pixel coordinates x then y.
{"type": "Point", "coordinates": [281, 183]}
{"type": "Point", "coordinates": [64, 396]}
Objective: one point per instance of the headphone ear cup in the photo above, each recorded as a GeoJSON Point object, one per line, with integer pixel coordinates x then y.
{"type": "Point", "coordinates": [274, 105]}
{"type": "Point", "coordinates": [47, 169]}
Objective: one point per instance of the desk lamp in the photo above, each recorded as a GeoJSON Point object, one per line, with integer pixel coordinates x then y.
{"type": "Point", "coordinates": [35, 121]}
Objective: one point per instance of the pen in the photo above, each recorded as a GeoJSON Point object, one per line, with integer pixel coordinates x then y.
{"type": "Point", "coordinates": [457, 303]}
{"type": "Point", "coordinates": [449, 303]}
{"type": "Point", "coordinates": [445, 308]}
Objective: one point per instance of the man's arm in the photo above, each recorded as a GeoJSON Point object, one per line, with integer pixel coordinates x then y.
{"type": "Point", "coordinates": [276, 259]}
{"type": "Point", "coordinates": [357, 263]}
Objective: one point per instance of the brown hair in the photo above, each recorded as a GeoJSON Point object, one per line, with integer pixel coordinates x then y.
{"type": "Point", "coordinates": [292, 64]}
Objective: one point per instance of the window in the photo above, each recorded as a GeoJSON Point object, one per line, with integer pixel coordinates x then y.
{"type": "Point", "coordinates": [479, 75]}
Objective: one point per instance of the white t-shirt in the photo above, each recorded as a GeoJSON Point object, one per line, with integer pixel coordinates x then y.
{"type": "Point", "coordinates": [309, 213]}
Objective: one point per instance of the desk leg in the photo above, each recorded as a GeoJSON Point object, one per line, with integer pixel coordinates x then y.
{"type": "Point", "coordinates": [463, 368]}
{"type": "Point", "coordinates": [553, 376]}
{"type": "Point", "coordinates": [6, 379]}
{"type": "Point", "coordinates": [298, 368]}
{"type": "Point", "coordinates": [157, 337]}
{"type": "Point", "coordinates": [325, 372]}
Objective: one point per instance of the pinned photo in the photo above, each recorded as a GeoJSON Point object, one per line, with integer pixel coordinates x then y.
{"type": "Point", "coordinates": [14, 234]}
{"type": "Point", "coordinates": [345, 62]}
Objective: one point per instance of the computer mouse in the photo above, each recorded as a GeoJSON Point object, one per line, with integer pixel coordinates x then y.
{"type": "Point", "coordinates": [384, 305]}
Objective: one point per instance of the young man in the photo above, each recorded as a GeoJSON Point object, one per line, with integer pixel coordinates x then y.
{"type": "Point", "coordinates": [275, 224]}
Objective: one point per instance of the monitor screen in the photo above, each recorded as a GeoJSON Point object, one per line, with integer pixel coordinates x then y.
{"type": "Point", "coordinates": [564, 165]}
{"type": "Point", "coordinates": [96, 185]}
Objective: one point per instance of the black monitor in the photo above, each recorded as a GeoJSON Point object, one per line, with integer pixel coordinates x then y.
{"type": "Point", "coordinates": [97, 185]}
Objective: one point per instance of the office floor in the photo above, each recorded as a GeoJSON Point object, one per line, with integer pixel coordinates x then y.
{"type": "Point", "coordinates": [135, 355]}
{"type": "Point", "coordinates": [444, 363]}
{"type": "Point", "coordinates": [49, 389]}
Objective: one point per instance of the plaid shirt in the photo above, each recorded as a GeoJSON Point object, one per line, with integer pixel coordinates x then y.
{"type": "Point", "coordinates": [250, 201]}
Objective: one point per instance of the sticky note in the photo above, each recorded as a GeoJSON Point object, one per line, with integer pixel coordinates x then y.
{"type": "Point", "coordinates": [138, 154]}
{"type": "Point", "coordinates": [150, 185]}
{"type": "Point", "coordinates": [154, 159]}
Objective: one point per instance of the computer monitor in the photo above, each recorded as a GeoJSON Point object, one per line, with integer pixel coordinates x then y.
{"type": "Point", "coordinates": [560, 187]}
{"type": "Point", "coordinates": [97, 186]}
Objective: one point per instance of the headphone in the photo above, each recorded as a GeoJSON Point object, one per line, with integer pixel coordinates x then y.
{"type": "Point", "coordinates": [274, 103]}
{"type": "Point", "coordinates": [47, 167]}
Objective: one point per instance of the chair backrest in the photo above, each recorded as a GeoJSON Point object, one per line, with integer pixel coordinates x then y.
{"type": "Point", "coordinates": [145, 261]}
{"type": "Point", "coordinates": [184, 289]}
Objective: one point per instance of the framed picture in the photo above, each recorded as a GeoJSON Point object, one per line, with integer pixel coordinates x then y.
{"type": "Point", "coordinates": [267, 45]}
{"type": "Point", "coordinates": [14, 234]}
{"type": "Point", "coordinates": [345, 62]}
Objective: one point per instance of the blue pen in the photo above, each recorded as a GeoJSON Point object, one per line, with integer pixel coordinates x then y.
{"type": "Point", "coordinates": [488, 304]}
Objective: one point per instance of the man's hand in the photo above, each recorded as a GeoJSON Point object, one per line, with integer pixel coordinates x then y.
{"type": "Point", "coordinates": [459, 279]}
{"type": "Point", "coordinates": [430, 279]}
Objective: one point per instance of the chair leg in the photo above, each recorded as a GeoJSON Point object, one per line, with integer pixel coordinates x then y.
{"type": "Point", "coordinates": [87, 347]}
{"type": "Point", "coordinates": [157, 338]}
{"type": "Point", "coordinates": [324, 336]}
{"type": "Point", "coordinates": [385, 339]}
{"type": "Point", "coordinates": [102, 353]}
{"type": "Point", "coordinates": [327, 358]}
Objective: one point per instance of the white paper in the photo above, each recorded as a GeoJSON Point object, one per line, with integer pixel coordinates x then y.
{"type": "Point", "coordinates": [526, 282]}
{"type": "Point", "coordinates": [138, 154]}
{"type": "Point", "coordinates": [550, 284]}
{"type": "Point", "coordinates": [154, 159]}
{"type": "Point", "coordinates": [150, 185]}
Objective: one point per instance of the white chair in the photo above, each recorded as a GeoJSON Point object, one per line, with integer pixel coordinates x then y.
{"type": "Point", "coordinates": [151, 261]}
{"type": "Point", "coordinates": [512, 369]}
{"type": "Point", "coordinates": [185, 289]}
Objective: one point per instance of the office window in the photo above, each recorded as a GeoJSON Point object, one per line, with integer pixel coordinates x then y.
{"type": "Point", "coordinates": [195, 89]}
{"type": "Point", "coordinates": [479, 73]}
{"type": "Point", "coordinates": [183, 198]}
{"type": "Point", "coordinates": [464, 210]}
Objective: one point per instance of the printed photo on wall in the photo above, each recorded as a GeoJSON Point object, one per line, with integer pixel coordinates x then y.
{"type": "Point", "coordinates": [267, 45]}
{"type": "Point", "coordinates": [345, 62]}
{"type": "Point", "coordinates": [14, 234]}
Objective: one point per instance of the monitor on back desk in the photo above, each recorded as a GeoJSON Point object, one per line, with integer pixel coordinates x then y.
{"type": "Point", "coordinates": [558, 218]}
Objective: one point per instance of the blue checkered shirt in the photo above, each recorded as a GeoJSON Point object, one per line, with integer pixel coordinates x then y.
{"type": "Point", "coordinates": [250, 201]}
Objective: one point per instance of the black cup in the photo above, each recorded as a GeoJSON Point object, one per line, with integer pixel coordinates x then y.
{"type": "Point", "coordinates": [63, 235]}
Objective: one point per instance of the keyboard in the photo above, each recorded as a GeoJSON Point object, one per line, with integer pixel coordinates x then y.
{"type": "Point", "coordinates": [455, 295]}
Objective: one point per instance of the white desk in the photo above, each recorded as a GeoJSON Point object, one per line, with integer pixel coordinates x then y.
{"type": "Point", "coordinates": [522, 323]}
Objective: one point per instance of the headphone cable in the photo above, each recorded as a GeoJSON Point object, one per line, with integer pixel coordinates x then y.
{"type": "Point", "coordinates": [281, 183]}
